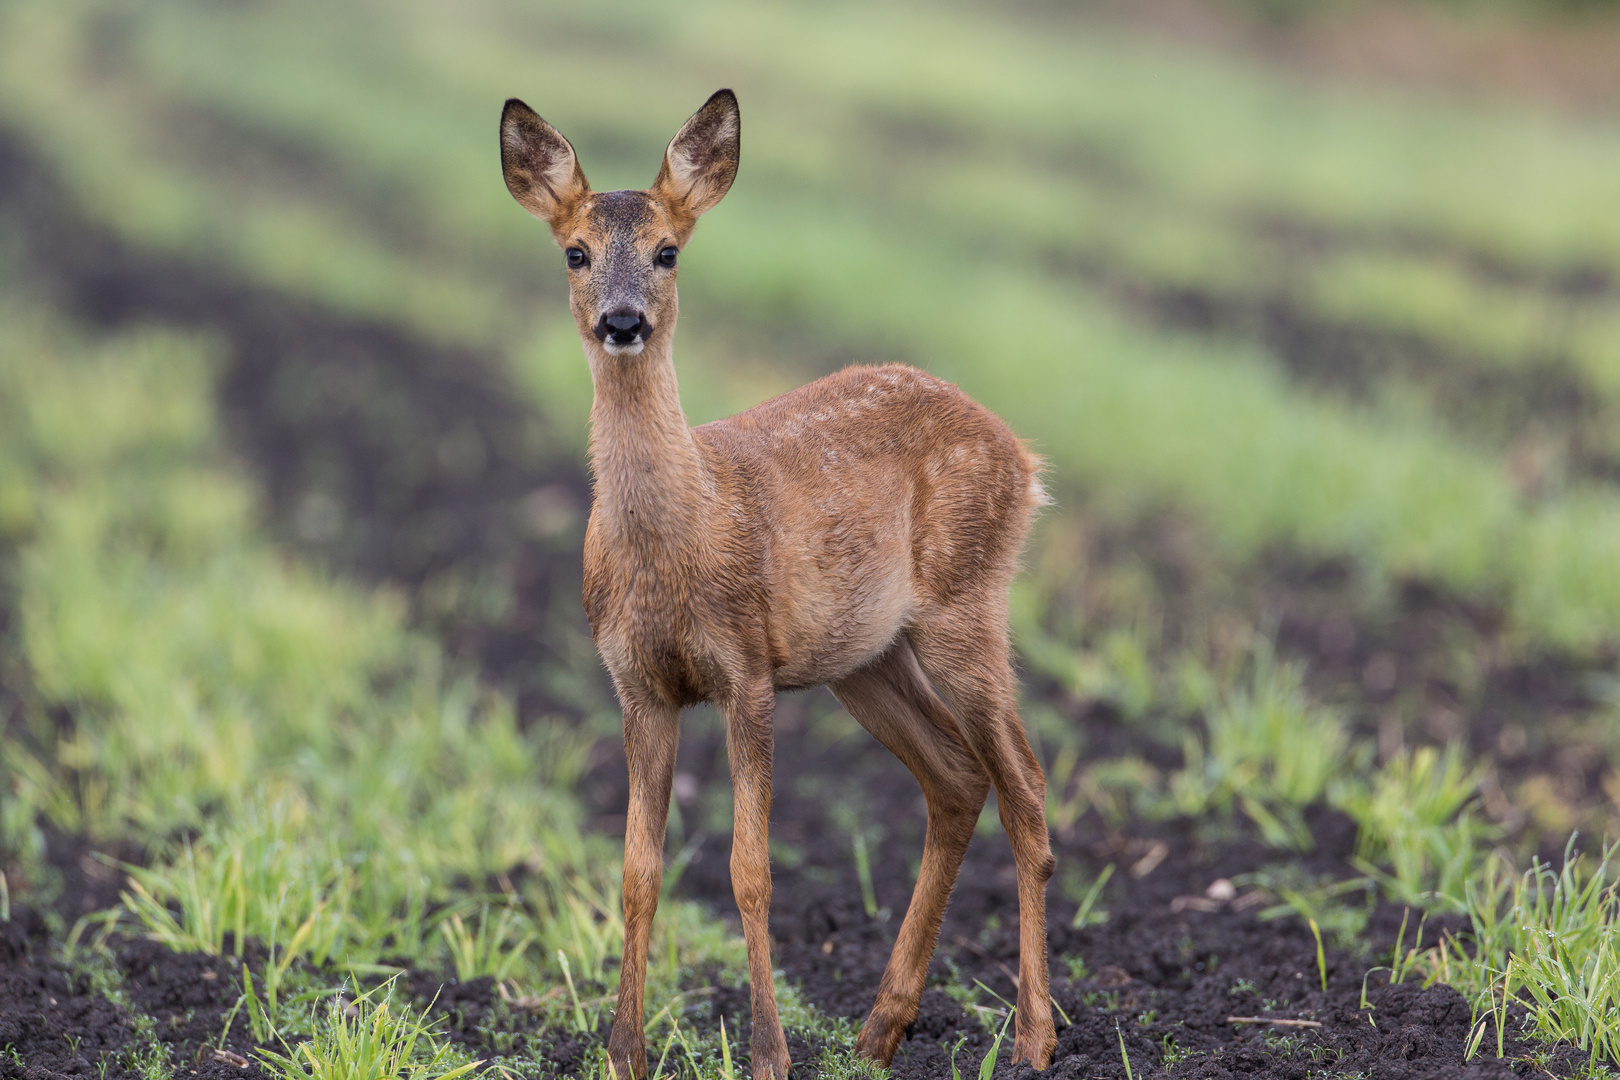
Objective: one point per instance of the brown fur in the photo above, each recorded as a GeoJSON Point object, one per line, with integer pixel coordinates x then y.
{"type": "Point", "coordinates": [859, 532]}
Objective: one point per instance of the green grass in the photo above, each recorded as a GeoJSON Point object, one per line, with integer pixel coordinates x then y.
{"type": "Point", "coordinates": [371, 1038]}
{"type": "Point", "coordinates": [494, 946]}
{"type": "Point", "coordinates": [1418, 817]}
{"type": "Point", "coordinates": [1268, 749]}
{"type": "Point", "coordinates": [1546, 940]}
{"type": "Point", "coordinates": [207, 673]}
{"type": "Point", "coordinates": [146, 601]}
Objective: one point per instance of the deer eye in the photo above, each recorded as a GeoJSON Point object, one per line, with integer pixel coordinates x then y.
{"type": "Point", "coordinates": [667, 256]}
{"type": "Point", "coordinates": [576, 258]}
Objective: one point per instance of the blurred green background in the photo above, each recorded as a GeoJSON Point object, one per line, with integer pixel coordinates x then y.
{"type": "Point", "coordinates": [1112, 238]}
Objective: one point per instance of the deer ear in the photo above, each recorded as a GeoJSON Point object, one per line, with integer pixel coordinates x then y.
{"type": "Point", "coordinates": [541, 170]}
{"type": "Point", "coordinates": [701, 161]}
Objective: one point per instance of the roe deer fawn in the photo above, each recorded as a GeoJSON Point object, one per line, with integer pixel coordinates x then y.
{"type": "Point", "coordinates": [860, 532]}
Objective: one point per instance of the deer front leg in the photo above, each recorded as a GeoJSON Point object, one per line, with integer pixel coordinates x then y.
{"type": "Point", "coordinates": [651, 734]}
{"type": "Point", "coordinates": [749, 742]}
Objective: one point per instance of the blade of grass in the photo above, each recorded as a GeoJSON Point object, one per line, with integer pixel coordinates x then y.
{"type": "Point", "coordinates": [1083, 913]}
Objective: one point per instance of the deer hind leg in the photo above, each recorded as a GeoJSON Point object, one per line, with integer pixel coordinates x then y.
{"type": "Point", "coordinates": [651, 734]}
{"type": "Point", "coordinates": [963, 651]}
{"type": "Point", "coordinates": [893, 701]}
{"type": "Point", "coordinates": [749, 742]}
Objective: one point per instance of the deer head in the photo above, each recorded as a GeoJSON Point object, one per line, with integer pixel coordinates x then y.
{"type": "Point", "coordinates": [622, 246]}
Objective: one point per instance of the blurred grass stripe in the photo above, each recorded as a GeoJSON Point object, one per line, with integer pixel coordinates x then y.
{"type": "Point", "coordinates": [908, 181]}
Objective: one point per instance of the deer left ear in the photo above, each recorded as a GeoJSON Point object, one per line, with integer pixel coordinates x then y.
{"type": "Point", "coordinates": [541, 170]}
{"type": "Point", "coordinates": [701, 161]}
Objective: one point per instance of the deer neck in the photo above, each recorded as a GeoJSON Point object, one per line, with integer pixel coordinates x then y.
{"type": "Point", "coordinates": [652, 486]}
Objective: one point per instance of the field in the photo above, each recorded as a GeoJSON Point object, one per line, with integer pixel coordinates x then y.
{"type": "Point", "coordinates": [308, 764]}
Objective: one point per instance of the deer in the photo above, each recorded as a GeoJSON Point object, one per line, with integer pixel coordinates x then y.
{"type": "Point", "coordinates": [861, 532]}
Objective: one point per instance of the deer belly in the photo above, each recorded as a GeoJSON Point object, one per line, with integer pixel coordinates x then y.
{"type": "Point", "coordinates": [827, 629]}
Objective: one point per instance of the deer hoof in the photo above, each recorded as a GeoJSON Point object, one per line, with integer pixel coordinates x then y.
{"type": "Point", "coordinates": [626, 1064]}
{"type": "Point", "coordinates": [1036, 1049]}
{"type": "Point", "coordinates": [773, 1067]}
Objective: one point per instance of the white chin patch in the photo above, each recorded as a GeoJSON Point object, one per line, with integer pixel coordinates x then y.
{"type": "Point", "coordinates": [632, 349]}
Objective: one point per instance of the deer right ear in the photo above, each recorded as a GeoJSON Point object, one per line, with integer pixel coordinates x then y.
{"type": "Point", "coordinates": [541, 170]}
{"type": "Point", "coordinates": [701, 161]}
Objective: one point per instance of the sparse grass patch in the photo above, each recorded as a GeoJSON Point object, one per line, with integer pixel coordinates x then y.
{"type": "Point", "coordinates": [1339, 908]}
{"type": "Point", "coordinates": [1415, 816]}
{"type": "Point", "coordinates": [1270, 751]}
{"type": "Point", "coordinates": [1544, 940]}
{"type": "Point", "coordinates": [837, 1034]}
{"type": "Point", "coordinates": [147, 1054]}
{"type": "Point", "coordinates": [1086, 911]}
{"type": "Point", "coordinates": [493, 945]}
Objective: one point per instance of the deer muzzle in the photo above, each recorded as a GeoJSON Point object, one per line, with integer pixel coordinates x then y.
{"type": "Point", "coordinates": [623, 331]}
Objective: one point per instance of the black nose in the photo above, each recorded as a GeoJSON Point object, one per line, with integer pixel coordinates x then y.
{"type": "Point", "coordinates": [621, 327]}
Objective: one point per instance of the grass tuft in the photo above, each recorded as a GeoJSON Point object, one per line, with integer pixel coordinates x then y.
{"type": "Point", "coordinates": [370, 1039]}
{"type": "Point", "coordinates": [496, 947]}
{"type": "Point", "coordinates": [1321, 955]}
{"type": "Point", "coordinates": [863, 872]}
{"type": "Point", "coordinates": [1270, 751]}
{"type": "Point", "coordinates": [1547, 939]}
{"type": "Point", "coordinates": [1415, 816]}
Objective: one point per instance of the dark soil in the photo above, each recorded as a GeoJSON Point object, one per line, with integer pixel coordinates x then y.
{"type": "Point", "coordinates": [1165, 973]}
{"type": "Point", "coordinates": [407, 463]}
{"type": "Point", "coordinates": [50, 1026]}
{"type": "Point", "coordinates": [1170, 965]}
{"type": "Point", "coordinates": [60, 1021]}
